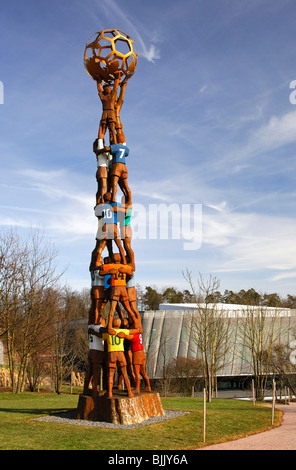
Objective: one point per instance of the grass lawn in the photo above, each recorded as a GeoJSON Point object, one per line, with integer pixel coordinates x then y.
{"type": "Point", "coordinates": [226, 419]}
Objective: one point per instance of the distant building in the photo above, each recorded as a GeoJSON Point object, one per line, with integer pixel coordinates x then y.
{"type": "Point", "coordinates": [168, 335]}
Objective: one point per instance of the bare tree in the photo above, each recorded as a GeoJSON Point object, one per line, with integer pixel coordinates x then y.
{"type": "Point", "coordinates": [185, 373]}
{"type": "Point", "coordinates": [259, 329]}
{"type": "Point", "coordinates": [165, 357]}
{"type": "Point", "coordinates": [282, 365]}
{"type": "Point", "coordinates": [209, 328]}
{"type": "Point", "coordinates": [10, 276]}
{"type": "Point", "coordinates": [69, 345]}
{"type": "Point", "coordinates": [27, 272]}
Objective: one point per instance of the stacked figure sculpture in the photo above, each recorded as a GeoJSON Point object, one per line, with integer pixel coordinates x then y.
{"type": "Point", "coordinates": [111, 59]}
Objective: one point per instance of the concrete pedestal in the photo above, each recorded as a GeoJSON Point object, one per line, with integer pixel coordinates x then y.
{"type": "Point", "coordinates": [120, 409]}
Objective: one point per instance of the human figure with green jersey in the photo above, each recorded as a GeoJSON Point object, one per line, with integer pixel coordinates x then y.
{"type": "Point", "coordinates": [124, 212]}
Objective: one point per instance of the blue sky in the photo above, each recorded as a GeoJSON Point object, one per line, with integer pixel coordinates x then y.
{"type": "Point", "coordinates": [208, 120]}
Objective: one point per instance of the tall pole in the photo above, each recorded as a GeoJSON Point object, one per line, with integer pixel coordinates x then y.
{"type": "Point", "coordinates": [204, 415]}
{"type": "Point", "coordinates": [253, 392]}
{"type": "Point", "coordinates": [273, 401]}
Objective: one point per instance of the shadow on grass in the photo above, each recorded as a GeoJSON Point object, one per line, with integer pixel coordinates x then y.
{"type": "Point", "coordinates": [38, 411]}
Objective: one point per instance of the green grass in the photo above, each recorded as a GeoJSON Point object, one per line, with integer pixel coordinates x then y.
{"type": "Point", "coordinates": [226, 419]}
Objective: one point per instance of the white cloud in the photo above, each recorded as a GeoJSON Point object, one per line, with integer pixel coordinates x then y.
{"type": "Point", "coordinates": [285, 275]}
{"type": "Point", "coordinates": [277, 133]}
{"type": "Point", "coordinates": [59, 185]}
{"type": "Point", "coordinates": [51, 199]}
{"type": "Point", "coordinates": [250, 241]}
{"type": "Point", "coordinates": [149, 52]}
{"type": "Point", "coordinates": [220, 207]}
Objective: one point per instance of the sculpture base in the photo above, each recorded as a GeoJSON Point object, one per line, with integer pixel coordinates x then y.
{"type": "Point", "coordinates": [120, 409]}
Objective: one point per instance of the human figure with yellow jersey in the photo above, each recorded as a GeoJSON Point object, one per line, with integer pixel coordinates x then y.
{"type": "Point", "coordinates": [115, 346]}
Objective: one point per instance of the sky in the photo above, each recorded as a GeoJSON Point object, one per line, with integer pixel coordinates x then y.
{"type": "Point", "coordinates": [210, 122]}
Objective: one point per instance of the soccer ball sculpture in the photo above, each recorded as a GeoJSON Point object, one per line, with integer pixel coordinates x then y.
{"type": "Point", "coordinates": [110, 51]}
{"type": "Point", "coordinates": [110, 59]}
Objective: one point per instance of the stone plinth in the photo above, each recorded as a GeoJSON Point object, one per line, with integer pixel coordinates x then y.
{"type": "Point", "coordinates": [120, 409]}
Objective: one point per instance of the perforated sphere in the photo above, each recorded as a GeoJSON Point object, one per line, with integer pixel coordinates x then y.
{"type": "Point", "coordinates": [110, 51]}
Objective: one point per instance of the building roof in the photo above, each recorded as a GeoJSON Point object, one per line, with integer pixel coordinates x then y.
{"type": "Point", "coordinates": [217, 306]}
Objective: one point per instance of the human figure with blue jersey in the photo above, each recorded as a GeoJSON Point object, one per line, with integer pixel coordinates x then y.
{"type": "Point", "coordinates": [118, 173]}
{"type": "Point", "coordinates": [107, 231]}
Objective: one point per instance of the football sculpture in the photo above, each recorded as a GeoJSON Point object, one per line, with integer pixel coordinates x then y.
{"type": "Point", "coordinates": [110, 51]}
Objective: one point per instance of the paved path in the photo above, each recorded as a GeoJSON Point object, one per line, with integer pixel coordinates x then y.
{"type": "Point", "coordinates": [280, 438]}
